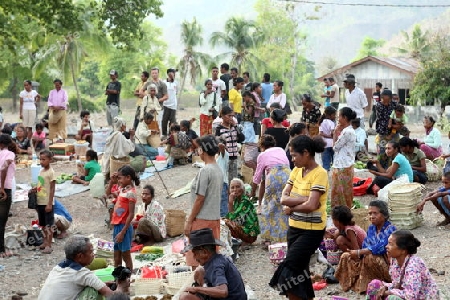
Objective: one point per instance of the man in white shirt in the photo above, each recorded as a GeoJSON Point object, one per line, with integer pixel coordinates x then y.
{"type": "Point", "coordinates": [170, 105]}
{"type": "Point", "coordinates": [219, 85]}
{"type": "Point", "coordinates": [356, 99]}
{"type": "Point", "coordinates": [70, 278]}
{"type": "Point", "coordinates": [334, 95]}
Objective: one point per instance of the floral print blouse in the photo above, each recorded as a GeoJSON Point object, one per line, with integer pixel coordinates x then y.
{"type": "Point", "coordinates": [344, 149]}
{"type": "Point", "coordinates": [417, 282]}
{"type": "Point", "coordinates": [312, 116]}
{"type": "Point", "coordinates": [155, 214]}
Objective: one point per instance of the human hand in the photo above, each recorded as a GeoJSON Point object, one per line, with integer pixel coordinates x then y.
{"type": "Point", "coordinates": [287, 210]}
{"type": "Point", "coordinates": [191, 290]}
{"type": "Point", "coordinates": [132, 132]}
{"type": "Point", "coordinates": [48, 208]}
{"type": "Point", "coordinates": [119, 237]}
{"type": "Point", "coordinates": [21, 117]}
{"type": "Point", "coordinates": [354, 254]}
{"type": "Point", "coordinates": [420, 206]}
{"type": "Point", "coordinates": [187, 228]}
{"type": "Point", "coordinates": [3, 195]}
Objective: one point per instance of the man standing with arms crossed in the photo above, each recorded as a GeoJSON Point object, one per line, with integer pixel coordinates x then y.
{"type": "Point", "coordinates": [170, 105]}
{"type": "Point", "coordinates": [139, 92]}
{"type": "Point", "coordinates": [113, 97]}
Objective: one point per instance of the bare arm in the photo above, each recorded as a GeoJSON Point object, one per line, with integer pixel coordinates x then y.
{"type": "Point", "coordinates": [309, 206]}
{"type": "Point", "coordinates": [388, 173]}
{"type": "Point", "coordinates": [198, 204]}
{"type": "Point", "coordinates": [423, 166]}
{"type": "Point", "coordinates": [219, 292]}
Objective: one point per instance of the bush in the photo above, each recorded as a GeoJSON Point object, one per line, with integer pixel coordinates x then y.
{"type": "Point", "coordinates": [92, 106]}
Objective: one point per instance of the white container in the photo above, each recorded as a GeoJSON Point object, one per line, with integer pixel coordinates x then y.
{"type": "Point", "coordinates": [97, 185]}
{"type": "Point", "coordinates": [162, 151]}
{"type": "Point", "coordinates": [35, 170]}
{"type": "Point", "coordinates": [99, 139]}
{"type": "Point", "coordinates": [160, 164]}
{"type": "Point", "coordinates": [81, 149]}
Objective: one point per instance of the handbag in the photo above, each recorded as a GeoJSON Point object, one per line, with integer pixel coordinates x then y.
{"type": "Point", "coordinates": [35, 237]}
{"type": "Point", "coordinates": [32, 200]}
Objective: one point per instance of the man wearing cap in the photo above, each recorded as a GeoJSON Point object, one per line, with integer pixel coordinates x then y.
{"type": "Point", "coordinates": [161, 89]}
{"type": "Point", "coordinates": [222, 279]}
{"type": "Point", "coordinates": [113, 97]}
{"type": "Point", "coordinates": [170, 105]}
{"type": "Point", "coordinates": [356, 99]}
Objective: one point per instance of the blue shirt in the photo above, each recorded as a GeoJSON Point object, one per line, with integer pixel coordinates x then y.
{"type": "Point", "coordinates": [377, 243]}
{"type": "Point", "coordinates": [403, 167]}
{"type": "Point", "coordinates": [267, 91]}
{"type": "Point", "coordinates": [59, 209]}
{"type": "Point", "coordinates": [220, 270]}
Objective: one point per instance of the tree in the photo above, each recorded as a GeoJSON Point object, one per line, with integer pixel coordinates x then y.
{"type": "Point", "coordinates": [327, 64]}
{"type": "Point", "coordinates": [416, 45]}
{"type": "Point", "coordinates": [90, 83]}
{"type": "Point", "coordinates": [369, 47]}
{"type": "Point", "coordinates": [243, 37]}
{"type": "Point", "coordinates": [192, 60]}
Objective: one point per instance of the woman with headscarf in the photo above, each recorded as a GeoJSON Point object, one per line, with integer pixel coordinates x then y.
{"type": "Point", "coordinates": [117, 145]}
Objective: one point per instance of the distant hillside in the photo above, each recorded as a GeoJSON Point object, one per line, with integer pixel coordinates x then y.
{"type": "Point", "coordinates": [338, 33]}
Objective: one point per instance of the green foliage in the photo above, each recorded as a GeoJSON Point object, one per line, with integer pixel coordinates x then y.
{"type": "Point", "coordinates": [369, 47]}
{"type": "Point", "coordinates": [416, 45]}
{"type": "Point", "coordinates": [90, 105]}
{"type": "Point", "coordinates": [89, 82]}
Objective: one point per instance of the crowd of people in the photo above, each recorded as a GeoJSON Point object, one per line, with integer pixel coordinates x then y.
{"type": "Point", "coordinates": [289, 184]}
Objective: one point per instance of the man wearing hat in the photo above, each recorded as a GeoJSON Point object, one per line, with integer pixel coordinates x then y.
{"type": "Point", "coordinates": [219, 274]}
{"type": "Point", "coordinates": [113, 97]}
{"type": "Point", "coordinates": [356, 99]}
{"type": "Point", "coordinates": [170, 105]}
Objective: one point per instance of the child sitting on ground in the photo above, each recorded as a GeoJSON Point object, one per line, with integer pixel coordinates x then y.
{"type": "Point", "coordinates": [361, 145]}
{"type": "Point", "coordinates": [177, 145]}
{"type": "Point", "coordinates": [38, 138]}
{"type": "Point", "coordinates": [440, 199]}
{"type": "Point", "coordinates": [85, 127]}
{"type": "Point", "coordinates": [397, 122]}
{"type": "Point", "coordinates": [91, 168]}
{"type": "Point", "coordinates": [185, 126]}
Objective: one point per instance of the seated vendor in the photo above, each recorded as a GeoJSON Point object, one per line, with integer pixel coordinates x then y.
{"type": "Point", "coordinates": [70, 279]}
{"type": "Point", "coordinates": [416, 157]}
{"type": "Point", "coordinates": [85, 127]}
{"type": "Point", "coordinates": [177, 145]}
{"type": "Point", "coordinates": [440, 199]}
{"type": "Point", "coordinates": [151, 227]}
{"type": "Point", "coordinates": [38, 138]}
{"type": "Point", "coordinates": [23, 143]}
{"type": "Point", "coordinates": [241, 219]}
{"type": "Point", "coordinates": [143, 136]}
{"type": "Point", "coordinates": [91, 168]}
{"type": "Point", "coordinates": [222, 278]}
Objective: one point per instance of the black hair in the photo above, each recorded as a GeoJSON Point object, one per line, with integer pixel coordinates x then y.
{"type": "Point", "coordinates": [331, 79]}
{"type": "Point", "coordinates": [28, 81]}
{"type": "Point", "coordinates": [382, 207]}
{"type": "Point", "coordinates": [129, 171]}
{"type": "Point", "coordinates": [280, 83]}
{"type": "Point", "coordinates": [447, 175]}
{"type": "Point", "coordinates": [379, 84]}
{"type": "Point", "coordinates": [234, 69]}
{"type": "Point", "coordinates": [208, 144]}
{"type": "Point", "coordinates": [92, 154]}
{"type": "Point", "coordinates": [343, 214]}
{"type": "Point", "coordinates": [225, 66]}
{"type": "Point", "coordinates": [185, 123]}
{"type": "Point", "coordinates": [278, 115]}
{"type": "Point", "coordinates": [275, 105]}
{"type": "Point", "coordinates": [406, 141]}
{"type": "Point", "coordinates": [246, 73]}
{"type": "Point", "coordinates": [296, 129]}
{"type": "Point", "coordinates": [146, 74]}
{"type": "Point", "coordinates": [1, 109]}
{"type": "Point", "coordinates": [207, 80]}
{"type": "Point", "coordinates": [312, 145]}
{"type": "Point", "coordinates": [255, 85]}
{"type": "Point", "coordinates": [387, 92]}
{"type": "Point", "coordinates": [237, 80]}
{"type": "Point", "coordinates": [430, 118]}
{"type": "Point", "coordinates": [149, 116]}
{"type": "Point", "coordinates": [175, 127]}
{"type": "Point", "coordinates": [57, 80]}
{"type": "Point", "coordinates": [249, 94]}
{"type": "Point", "coordinates": [307, 97]}
{"type": "Point", "coordinates": [266, 77]}
{"type": "Point", "coordinates": [405, 240]}
{"type": "Point", "coordinates": [329, 110]}
{"type": "Point", "coordinates": [84, 113]}
{"type": "Point", "coordinates": [118, 296]}
{"type": "Point", "coordinates": [150, 188]}
{"type": "Point", "coordinates": [267, 141]}
{"type": "Point", "coordinates": [356, 122]}
{"type": "Point", "coordinates": [395, 145]}
{"type": "Point", "coordinates": [225, 111]}
{"type": "Point", "coordinates": [348, 113]}
{"type": "Point", "coordinates": [214, 68]}
{"type": "Point", "coordinates": [47, 153]}
{"type": "Point", "coordinates": [5, 139]}
{"type": "Point", "coordinates": [39, 126]}
{"type": "Point", "coordinates": [7, 130]}
{"type": "Point", "coordinates": [325, 79]}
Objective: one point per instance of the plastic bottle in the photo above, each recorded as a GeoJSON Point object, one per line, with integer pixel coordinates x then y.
{"type": "Point", "coordinates": [35, 169]}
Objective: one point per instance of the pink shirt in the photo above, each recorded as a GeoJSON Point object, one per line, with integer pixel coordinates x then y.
{"type": "Point", "coordinates": [6, 155]}
{"type": "Point", "coordinates": [268, 159]}
{"type": "Point", "coordinates": [41, 136]}
{"type": "Point", "coordinates": [58, 98]}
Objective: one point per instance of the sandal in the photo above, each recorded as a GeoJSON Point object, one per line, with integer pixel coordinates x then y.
{"type": "Point", "coordinates": [47, 250]}
{"type": "Point", "coordinates": [443, 223]}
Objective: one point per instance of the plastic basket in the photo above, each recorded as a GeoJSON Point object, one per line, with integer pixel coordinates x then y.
{"type": "Point", "coordinates": [147, 286]}
{"type": "Point", "coordinates": [178, 280]}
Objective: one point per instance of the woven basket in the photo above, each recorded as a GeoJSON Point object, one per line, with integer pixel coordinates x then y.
{"type": "Point", "coordinates": [116, 163]}
{"type": "Point", "coordinates": [178, 280]}
{"type": "Point", "coordinates": [147, 286]}
{"type": "Point", "coordinates": [333, 257]}
{"type": "Point", "coordinates": [361, 218]}
{"type": "Point", "coordinates": [330, 244]}
{"type": "Point", "coordinates": [175, 220]}
{"type": "Point", "coordinates": [247, 173]}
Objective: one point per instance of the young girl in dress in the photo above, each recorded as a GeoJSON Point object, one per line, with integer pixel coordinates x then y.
{"type": "Point", "coordinates": [248, 117]}
{"type": "Point", "coordinates": [123, 215]}
{"type": "Point", "coordinates": [326, 128]}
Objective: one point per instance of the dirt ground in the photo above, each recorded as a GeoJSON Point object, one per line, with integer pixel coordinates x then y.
{"type": "Point", "coordinates": [28, 270]}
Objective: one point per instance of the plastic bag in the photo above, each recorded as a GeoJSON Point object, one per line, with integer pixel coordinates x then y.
{"type": "Point", "coordinates": [383, 193]}
{"type": "Point", "coordinates": [178, 245]}
{"type": "Point", "coordinates": [152, 272]}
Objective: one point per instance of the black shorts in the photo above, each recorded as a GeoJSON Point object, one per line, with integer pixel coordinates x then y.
{"type": "Point", "coordinates": [45, 218]}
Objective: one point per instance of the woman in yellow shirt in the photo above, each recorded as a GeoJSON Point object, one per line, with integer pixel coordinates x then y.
{"type": "Point", "coordinates": [304, 199]}
{"type": "Point", "coordinates": [235, 97]}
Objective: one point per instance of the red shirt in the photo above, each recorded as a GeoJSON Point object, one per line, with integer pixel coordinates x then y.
{"type": "Point", "coordinates": [266, 121]}
{"type": "Point", "coordinates": [121, 208]}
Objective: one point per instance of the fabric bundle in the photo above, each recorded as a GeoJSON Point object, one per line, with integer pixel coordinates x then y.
{"type": "Point", "coordinates": [403, 201]}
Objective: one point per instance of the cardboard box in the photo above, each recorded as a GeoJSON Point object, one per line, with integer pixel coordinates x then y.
{"type": "Point", "coordinates": [62, 149]}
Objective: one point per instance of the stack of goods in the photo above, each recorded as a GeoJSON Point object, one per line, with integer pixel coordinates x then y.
{"type": "Point", "coordinates": [402, 203]}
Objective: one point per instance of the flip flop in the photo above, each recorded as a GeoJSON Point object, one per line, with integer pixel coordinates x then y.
{"type": "Point", "coordinates": [47, 250]}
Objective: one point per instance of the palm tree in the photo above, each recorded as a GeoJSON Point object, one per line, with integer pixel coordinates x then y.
{"type": "Point", "coordinates": [242, 36]}
{"type": "Point", "coordinates": [192, 61]}
{"type": "Point", "coordinates": [416, 45]}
